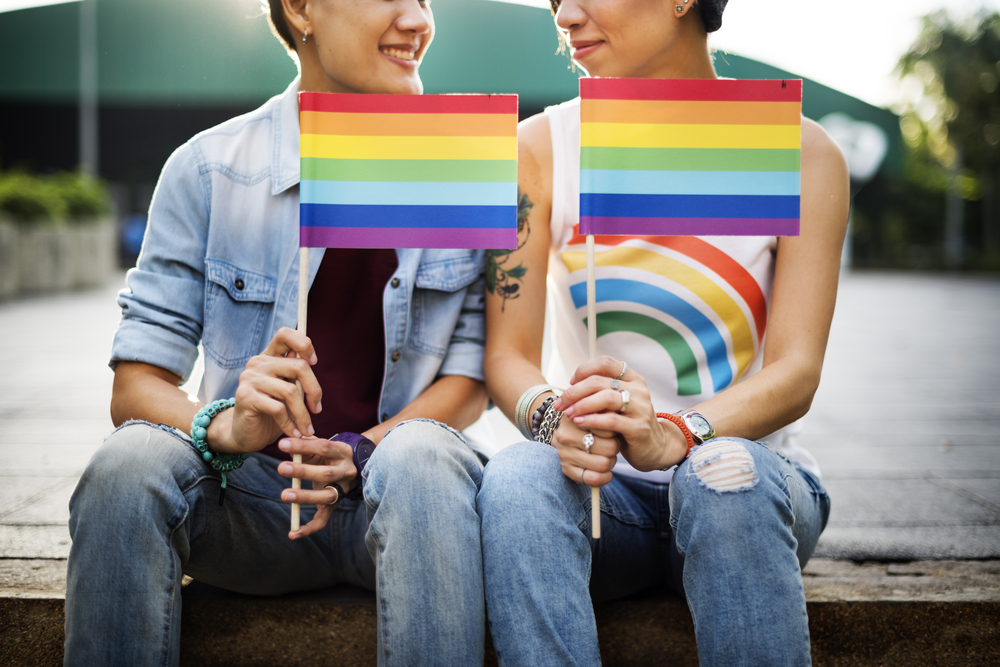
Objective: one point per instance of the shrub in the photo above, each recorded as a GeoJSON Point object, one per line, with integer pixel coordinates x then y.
{"type": "Point", "coordinates": [31, 198]}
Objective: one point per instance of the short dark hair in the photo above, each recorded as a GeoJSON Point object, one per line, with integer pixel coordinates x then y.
{"type": "Point", "coordinates": [279, 26]}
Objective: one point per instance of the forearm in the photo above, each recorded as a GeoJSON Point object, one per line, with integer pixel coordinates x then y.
{"type": "Point", "coordinates": [760, 405]}
{"type": "Point", "coordinates": [455, 400]}
{"type": "Point", "coordinates": [151, 394]}
{"type": "Point", "coordinates": [509, 374]}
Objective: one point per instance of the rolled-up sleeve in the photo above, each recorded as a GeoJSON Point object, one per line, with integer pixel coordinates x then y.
{"type": "Point", "coordinates": [468, 341]}
{"type": "Point", "coordinates": [163, 303]}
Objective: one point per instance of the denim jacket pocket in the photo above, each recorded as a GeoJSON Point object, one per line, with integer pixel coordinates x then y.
{"type": "Point", "coordinates": [438, 295]}
{"type": "Point", "coordinates": [237, 303]}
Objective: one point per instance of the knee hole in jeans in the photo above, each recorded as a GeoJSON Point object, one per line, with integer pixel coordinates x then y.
{"type": "Point", "coordinates": [724, 466]}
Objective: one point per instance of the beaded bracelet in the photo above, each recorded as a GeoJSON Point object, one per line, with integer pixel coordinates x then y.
{"type": "Point", "coordinates": [549, 425]}
{"type": "Point", "coordinates": [539, 415]}
{"type": "Point", "coordinates": [199, 432]}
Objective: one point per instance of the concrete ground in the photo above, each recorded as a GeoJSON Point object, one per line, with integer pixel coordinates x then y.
{"type": "Point", "coordinates": [906, 424]}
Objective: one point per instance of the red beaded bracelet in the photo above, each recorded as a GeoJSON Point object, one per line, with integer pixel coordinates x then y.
{"type": "Point", "coordinates": [682, 426]}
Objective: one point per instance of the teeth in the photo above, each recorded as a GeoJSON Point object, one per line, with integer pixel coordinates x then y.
{"type": "Point", "coordinates": [395, 53]}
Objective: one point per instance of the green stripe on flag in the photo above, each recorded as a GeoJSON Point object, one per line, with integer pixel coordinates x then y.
{"type": "Point", "coordinates": [690, 159]}
{"type": "Point", "coordinates": [410, 171]}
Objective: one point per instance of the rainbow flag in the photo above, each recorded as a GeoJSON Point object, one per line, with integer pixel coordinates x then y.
{"type": "Point", "coordinates": [408, 171]}
{"type": "Point", "coordinates": [693, 157]}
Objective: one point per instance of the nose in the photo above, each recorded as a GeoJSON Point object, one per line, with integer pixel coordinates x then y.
{"type": "Point", "coordinates": [416, 18]}
{"type": "Point", "coordinates": [570, 15]}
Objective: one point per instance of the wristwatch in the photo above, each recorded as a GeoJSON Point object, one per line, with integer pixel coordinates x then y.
{"type": "Point", "coordinates": [363, 449]}
{"type": "Point", "coordinates": [697, 425]}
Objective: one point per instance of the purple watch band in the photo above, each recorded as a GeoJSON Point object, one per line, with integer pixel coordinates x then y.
{"type": "Point", "coordinates": [363, 449]}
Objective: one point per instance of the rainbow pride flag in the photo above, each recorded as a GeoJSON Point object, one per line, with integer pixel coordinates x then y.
{"type": "Point", "coordinates": [693, 157]}
{"type": "Point", "coordinates": [408, 171]}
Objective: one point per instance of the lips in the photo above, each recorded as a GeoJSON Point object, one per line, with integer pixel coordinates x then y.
{"type": "Point", "coordinates": [401, 51]}
{"type": "Point", "coordinates": [583, 47]}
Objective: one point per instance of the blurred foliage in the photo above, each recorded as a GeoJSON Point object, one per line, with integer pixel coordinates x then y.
{"type": "Point", "coordinates": [66, 196]}
{"type": "Point", "coordinates": [950, 119]}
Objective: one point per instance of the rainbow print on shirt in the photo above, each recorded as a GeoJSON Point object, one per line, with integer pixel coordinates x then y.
{"type": "Point", "coordinates": [408, 171]}
{"type": "Point", "coordinates": [700, 157]}
{"type": "Point", "coordinates": [681, 293]}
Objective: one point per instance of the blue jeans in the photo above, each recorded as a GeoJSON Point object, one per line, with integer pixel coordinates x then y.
{"type": "Point", "coordinates": [147, 511]}
{"type": "Point", "coordinates": [730, 534]}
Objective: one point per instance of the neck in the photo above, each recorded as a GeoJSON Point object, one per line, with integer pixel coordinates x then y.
{"type": "Point", "coordinates": [687, 57]}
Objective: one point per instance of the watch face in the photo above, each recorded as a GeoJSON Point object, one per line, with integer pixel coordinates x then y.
{"type": "Point", "coordinates": [699, 425]}
{"type": "Point", "coordinates": [364, 452]}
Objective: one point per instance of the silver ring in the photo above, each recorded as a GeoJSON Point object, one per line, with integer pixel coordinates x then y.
{"type": "Point", "coordinates": [625, 399]}
{"type": "Point", "coordinates": [616, 384]}
{"type": "Point", "coordinates": [622, 374]}
{"type": "Point", "coordinates": [582, 470]}
{"type": "Point", "coordinates": [588, 441]}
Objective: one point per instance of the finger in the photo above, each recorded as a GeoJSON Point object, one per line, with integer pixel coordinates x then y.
{"type": "Point", "coordinates": [607, 400]}
{"type": "Point", "coordinates": [606, 447]}
{"type": "Point", "coordinates": [575, 392]}
{"type": "Point", "coordinates": [324, 474]}
{"type": "Point", "coordinates": [281, 401]}
{"type": "Point", "coordinates": [589, 477]}
{"type": "Point", "coordinates": [288, 340]}
{"type": "Point", "coordinates": [318, 522]}
{"type": "Point", "coordinates": [317, 448]}
{"type": "Point", "coordinates": [581, 459]}
{"type": "Point", "coordinates": [321, 496]}
{"type": "Point", "coordinates": [605, 365]}
{"type": "Point", "coordinates": [290, 369]}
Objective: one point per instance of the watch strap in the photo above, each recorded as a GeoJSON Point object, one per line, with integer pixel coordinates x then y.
{"type": "Point", "coordinates": [356, 441]}
{"type": "Point", "coordinates": [682, 426]}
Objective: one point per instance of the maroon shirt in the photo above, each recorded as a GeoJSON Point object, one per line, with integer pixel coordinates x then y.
{"type": "Point", "coordinates": [347, 328]}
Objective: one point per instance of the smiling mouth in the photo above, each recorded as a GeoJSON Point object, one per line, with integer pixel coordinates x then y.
{"type": "Point", "coordinates": [398, 53]}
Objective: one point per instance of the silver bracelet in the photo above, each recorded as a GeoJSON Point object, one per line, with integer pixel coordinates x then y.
{"type": "Point", "coordinates": [522, 413]}
{"type": "Point", "coordinates": [549, 425]}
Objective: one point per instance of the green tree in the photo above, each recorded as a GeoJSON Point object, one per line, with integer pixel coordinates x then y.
{"type": "Point", "coordinates": [951, 118]}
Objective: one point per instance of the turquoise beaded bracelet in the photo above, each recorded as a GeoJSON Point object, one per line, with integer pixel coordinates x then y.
{"type": "Point", "coordinates": [199, 431]}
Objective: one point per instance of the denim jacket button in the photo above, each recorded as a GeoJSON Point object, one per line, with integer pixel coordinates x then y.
{"type": "Point", "coordinates": [395, 283]}
{"type": "Point", "coordinates": [239, 284]}
{"type": "Point", "coordinates": [396, 355]}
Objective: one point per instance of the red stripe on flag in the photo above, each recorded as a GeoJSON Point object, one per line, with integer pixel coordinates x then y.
{"type": "Point", "coordinates": [692, 90]}
{"type": "Point", "coordinates": [360, 103]}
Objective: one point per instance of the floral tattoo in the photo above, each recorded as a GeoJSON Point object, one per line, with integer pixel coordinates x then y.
{"type": "Point", "coordinates": [501, 278]}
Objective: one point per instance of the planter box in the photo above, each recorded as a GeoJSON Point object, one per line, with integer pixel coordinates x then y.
{"type": "Point", "coordinates": [40, 257]}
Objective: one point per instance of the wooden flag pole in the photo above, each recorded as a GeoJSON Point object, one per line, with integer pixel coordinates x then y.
{"type": "Point", "coordinates": [301, 328]}
{"type": "Point", "coordinates": [595, 492]}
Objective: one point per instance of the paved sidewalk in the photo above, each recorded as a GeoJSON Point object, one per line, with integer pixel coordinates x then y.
{"type": "Point", "coordinates": [906, 425]}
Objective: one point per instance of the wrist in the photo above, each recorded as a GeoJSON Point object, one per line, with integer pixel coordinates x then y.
{"type": "Point", "coordinates": [677, 443]}
{"type": "Point", "coordinates": [220, 434]}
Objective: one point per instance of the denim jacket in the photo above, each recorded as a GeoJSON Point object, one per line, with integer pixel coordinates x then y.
{"type": "Point", "coordinates": [219, 265]}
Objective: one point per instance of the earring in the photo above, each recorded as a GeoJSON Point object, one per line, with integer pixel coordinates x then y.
{"type": "Point", "coordinates": [680, 9]}
{"type": "Point", "coordinates": [305, 36]}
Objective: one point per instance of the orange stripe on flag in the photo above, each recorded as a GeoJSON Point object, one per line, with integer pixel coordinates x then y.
{"type": "Point", "coordinates": [408, 124]}
{"type": "Point", "coordinates": [687, 112]}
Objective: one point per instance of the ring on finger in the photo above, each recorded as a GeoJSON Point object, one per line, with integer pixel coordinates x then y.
{"type": "Point", "coordinates": [622, 374]}
{"type": "Point", "coordinates": [582, 470]}
{"type": "Point", "coordinates": [625, 399]}
{"type": "Point", "coordinates": [588, 441]}
{"type": "Point", "coordinates": [340, 492]}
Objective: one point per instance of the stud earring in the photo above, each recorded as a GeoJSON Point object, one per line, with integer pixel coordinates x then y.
{"type": "Point", "coordinates": [305, 37]}
{"type": "Point", "coordinates": [680, 9]}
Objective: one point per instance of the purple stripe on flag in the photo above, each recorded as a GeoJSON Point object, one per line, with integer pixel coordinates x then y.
{"type": "Point", "coordinates": [689, 226]}
{"type": "Point", "coordinates": [395, 237]}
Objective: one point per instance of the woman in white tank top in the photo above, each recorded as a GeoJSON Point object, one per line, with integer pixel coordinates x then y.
{"type": "Point", "coordinates": [710, 350]}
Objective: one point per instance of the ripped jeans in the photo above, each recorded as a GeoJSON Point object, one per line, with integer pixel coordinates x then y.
{"type": "Point", "coordinates": [730, 534]}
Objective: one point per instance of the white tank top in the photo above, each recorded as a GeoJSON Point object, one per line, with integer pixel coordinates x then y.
{"type": "Point", "coordinates": [687, 313]}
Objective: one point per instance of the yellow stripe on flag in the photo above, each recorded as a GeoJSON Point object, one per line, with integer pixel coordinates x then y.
{"type": "Point", "coordinates": [638, 135]}
{"type": "Point", "coordinates": [408, 148]}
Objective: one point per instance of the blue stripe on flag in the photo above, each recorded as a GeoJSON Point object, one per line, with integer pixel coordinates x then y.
{"type": "Point", "coordinates": [689, 206]}
{"type": "Point", "coordinates": [409, 217]}
{"type": "Point", "coordinates": [366, 193]}
{"type": "Point", "coordinates": [610, 181]}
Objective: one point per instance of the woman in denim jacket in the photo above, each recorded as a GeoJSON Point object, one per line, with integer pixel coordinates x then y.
{"type": "Point", "coordinates": [400, 356]}
{"type": "Point", "coordinates": [682, 324]}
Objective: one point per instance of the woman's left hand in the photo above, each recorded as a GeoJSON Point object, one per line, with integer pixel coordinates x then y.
{"type": "Point", "coordinates": [593, 403]}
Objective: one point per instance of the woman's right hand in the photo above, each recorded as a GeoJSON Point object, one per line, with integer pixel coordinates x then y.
{"type": "Point", "coordinates": [268, 402]}
{"type": "Point", "coordinates": [593, 468]}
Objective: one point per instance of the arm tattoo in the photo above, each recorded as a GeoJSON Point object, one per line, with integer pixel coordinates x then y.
{"type": "Point", "coordinates": [501, 278]}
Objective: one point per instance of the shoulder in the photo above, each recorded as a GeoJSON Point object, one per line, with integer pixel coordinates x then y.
{"type": "Point", "coordinates": [821, 156]}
